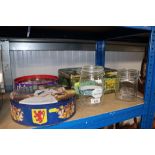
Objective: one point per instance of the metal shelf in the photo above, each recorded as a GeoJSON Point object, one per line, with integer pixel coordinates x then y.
{"type": "Point", "coordinates": [76, 32]}
{"type": "Point", "coordinates": [109, 112]}
{"type": "Point", "coordinates": [141, 27]}
{"type": "Point", "coordinates": [104, 118]}
{"type": "Point", "coordinates": [99, 121]}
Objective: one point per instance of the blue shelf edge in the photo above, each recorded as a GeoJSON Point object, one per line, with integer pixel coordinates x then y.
{"type": "Point", "coordinates": [147, 118]}
{"type": "Point", "coordinates": [153, 108]}
{"type": "Point", "coordinates": [100, 53]}
{"type": "Point", "coordinates": [140, 27]}
{"type": "Point", "coordinates": [99, 121]}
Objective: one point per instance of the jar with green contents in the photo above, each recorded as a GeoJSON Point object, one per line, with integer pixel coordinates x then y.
{"type": "Point", "coordinates": [91, 85]}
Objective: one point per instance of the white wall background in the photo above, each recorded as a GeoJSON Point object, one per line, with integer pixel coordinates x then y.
{"type": "Point", "coordinates": [129, 60]}
{"type": "Point", "coordinates": [48, 62]}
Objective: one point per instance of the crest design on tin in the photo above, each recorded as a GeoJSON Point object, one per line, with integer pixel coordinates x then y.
{"type": "Point", "coordinates": [16, 113]}
{"type": "Point", "coordinates": [39, 116]}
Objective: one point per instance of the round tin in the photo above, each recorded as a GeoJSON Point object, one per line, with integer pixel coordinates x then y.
{"type": "Point", "coordinates": [45, 114]}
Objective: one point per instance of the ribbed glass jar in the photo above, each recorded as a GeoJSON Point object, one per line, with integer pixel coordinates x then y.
{"type": "Point", "coordinates": [91, 85]}
{"type": "Point", "coordinates": [127, 84]}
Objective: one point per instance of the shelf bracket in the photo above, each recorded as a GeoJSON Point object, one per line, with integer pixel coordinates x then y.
{"type": "Point", "coordinates": [148, 114]}
{"type": "Point", "coordinates": [100, 53]}
{"type": "Point", "coordinates": [28, 31]}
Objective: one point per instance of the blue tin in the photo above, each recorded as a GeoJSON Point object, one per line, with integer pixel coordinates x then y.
{"type": "Point", "coordinates": [45, 114]}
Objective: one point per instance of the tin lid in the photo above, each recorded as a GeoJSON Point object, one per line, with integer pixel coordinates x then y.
{"type": "Point", "coordinates": [128, 73]}
{"type": "Point", "coordinates": [41, 96]}
{"type": "Point", "coordinates": [31, 80]}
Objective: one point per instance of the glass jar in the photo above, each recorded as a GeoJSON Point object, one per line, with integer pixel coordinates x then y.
{"type": "Point", "coordinates": [127, 84]}
{"type": "Point", "coordinates": [91, 84]}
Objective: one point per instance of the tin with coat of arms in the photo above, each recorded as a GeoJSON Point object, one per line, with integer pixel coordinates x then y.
{"type": "Point", "coordinates": [46, 105]}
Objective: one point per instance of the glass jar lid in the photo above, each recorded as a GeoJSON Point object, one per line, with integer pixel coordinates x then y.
{"type": "Point", "coordinates": [92, 69]}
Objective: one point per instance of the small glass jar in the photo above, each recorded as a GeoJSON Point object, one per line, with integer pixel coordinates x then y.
{"type": "Point", "coordinates": [127, 84]}
{"type": "Point", "coordinates": [91, 84]}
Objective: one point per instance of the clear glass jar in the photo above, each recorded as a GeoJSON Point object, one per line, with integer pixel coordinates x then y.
{"type": "Point", "coordinates": [91, 85]}
{"type": "Point", "coordinates": [127, 84]}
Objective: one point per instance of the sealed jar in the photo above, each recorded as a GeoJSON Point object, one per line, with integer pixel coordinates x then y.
{"type": "Point", "coordinates": [127, 84]}
{"type": "Point", "coordinates": [91, 84]}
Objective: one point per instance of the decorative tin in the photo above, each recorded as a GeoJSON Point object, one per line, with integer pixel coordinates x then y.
{"type": "Point", "coordinates": [44, 107]}
{"type": "Point", "coordinates": [48, 114]}
{"type": "Point", "coordinates": [68, 77]}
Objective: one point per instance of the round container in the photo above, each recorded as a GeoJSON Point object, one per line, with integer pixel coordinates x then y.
{"type": "Point", "coordinates": [45, 106]}
{"type": "Point", "coordinates": [33, 82]}
{"type": "Point", "coordinates": [127, 84]}
{"type": "Point", "coordinates": [91, 84]}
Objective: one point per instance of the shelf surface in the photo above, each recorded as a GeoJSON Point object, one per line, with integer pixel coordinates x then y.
{"type": "Point", "coordinates": [109, 104]}
{"type": "Point", "coordinates": [110, 111]}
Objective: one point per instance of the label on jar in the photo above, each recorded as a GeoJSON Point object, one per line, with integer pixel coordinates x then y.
{"type": "Point", "coordinates": [94, 91]}
{"type": "Point", "coordinates": [99, 81]}
{"type": "Point", "coordinates": [95, 100]}
{"type": "Point", "coordinates": [97, 93]}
